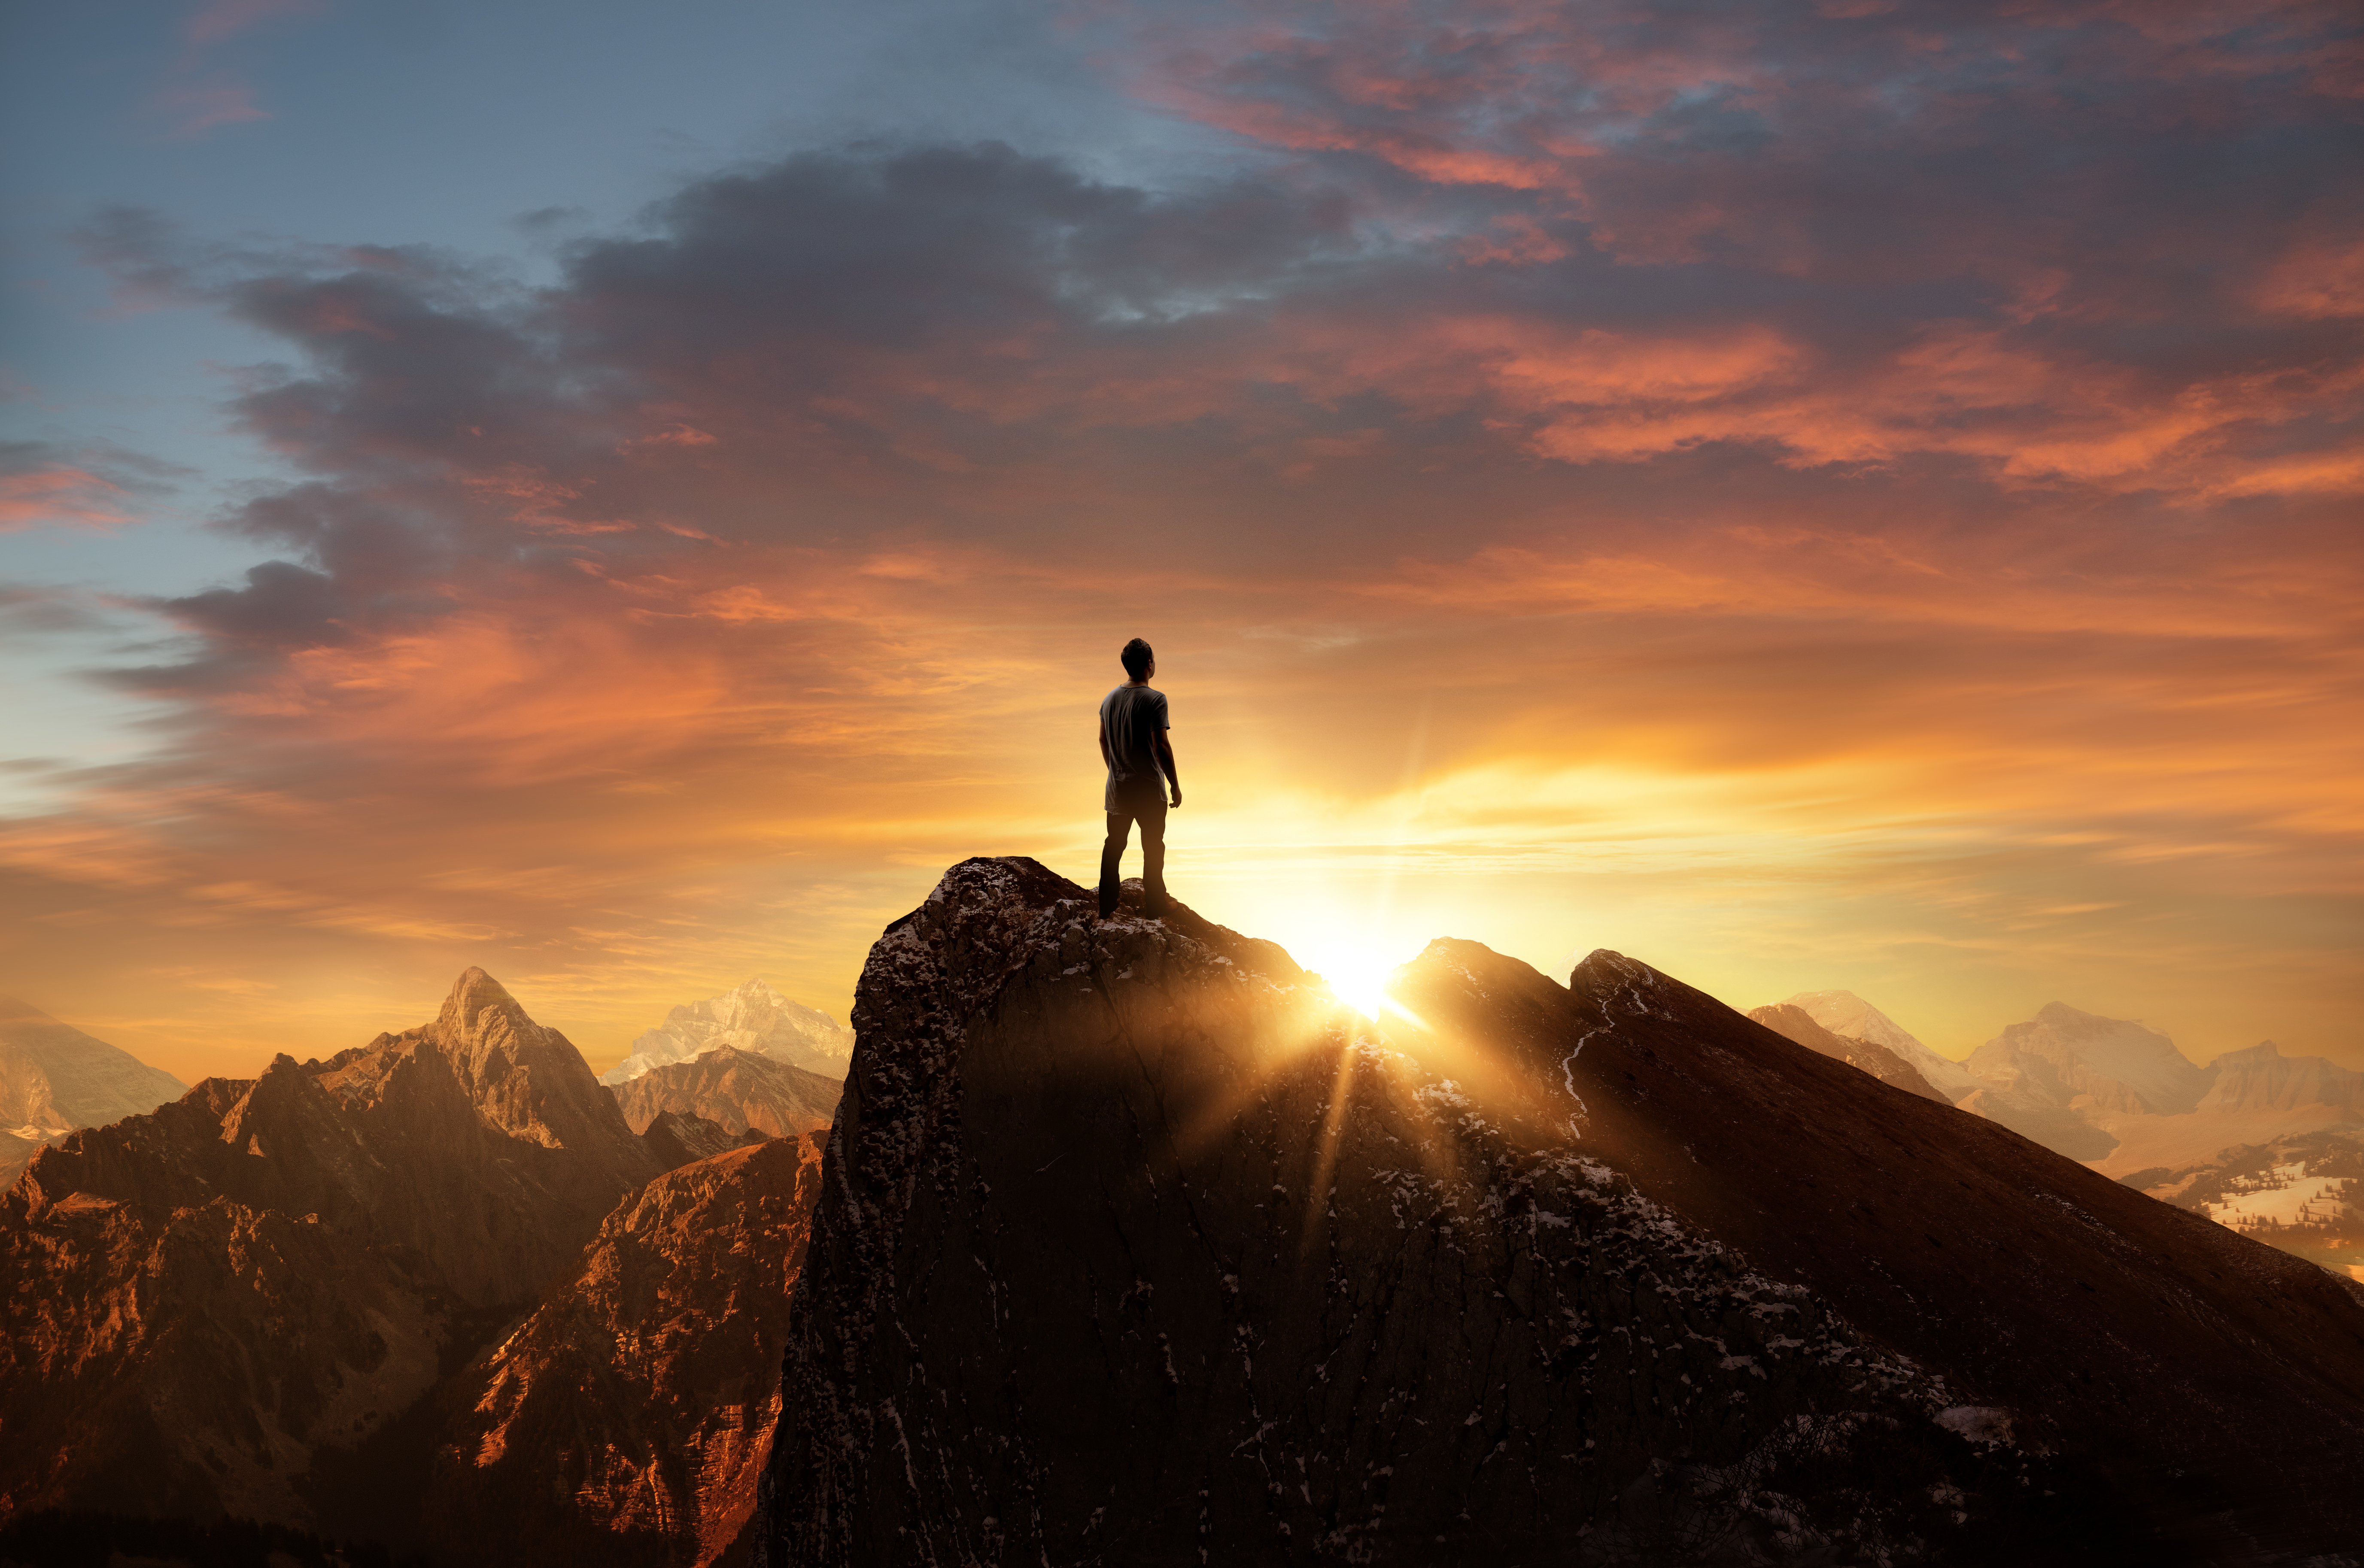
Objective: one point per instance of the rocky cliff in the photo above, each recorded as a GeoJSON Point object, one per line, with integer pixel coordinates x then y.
{"type": "Point", "coordinates": [54, 1078]}
{"type": "Point", "coordinates": [739, 1089]}
{"type": "Point", "coordinates": [1795, 1024]}
{"type": "Point", "coordinates": [1136, 1247]}
{"type": "Point", "coordinates": [206, 1299]}
{"type": "Point", "coordinates": [625, 1420]}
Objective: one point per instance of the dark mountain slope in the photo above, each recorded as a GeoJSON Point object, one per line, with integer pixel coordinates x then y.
{"type": "Point", "coordinates": [1134, 1248]}
{"type": "Point", "coordinates": [2189, 1373]}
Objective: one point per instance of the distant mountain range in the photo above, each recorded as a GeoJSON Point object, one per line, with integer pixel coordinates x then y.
{"type": "Point", "coordinates": [54, 1078]}
{"type": "Point", "coordinates": [2111, 1091]}
{"type": "Point", "coordinates": [753, 1018]}
{"type": "Point", "coordinates": [2118, 1096]}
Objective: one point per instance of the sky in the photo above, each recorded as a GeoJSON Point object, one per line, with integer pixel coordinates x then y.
{"type": "Point", "coordinates": [1844, 495]}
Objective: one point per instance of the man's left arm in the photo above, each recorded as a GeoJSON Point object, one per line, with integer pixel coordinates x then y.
{"type": "Point", "coordinates": [1166, 761]}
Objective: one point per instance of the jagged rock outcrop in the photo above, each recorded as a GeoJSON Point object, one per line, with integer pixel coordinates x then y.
{"type": "Point", "coordinates": [626, 1420]}
{"type": "Point", "coordinates": [205, 1299]}
{"type": "Point", "coordinates": [737, 1088]}
{"type": "Point", "coordinates": [1794, 1023]}
{"type": "Point", "coordinates": [676, 1138]}
{"type": "Point", "coordinates": [755, 1018]}
{"type": "Point", "coordinates": [1136, 1247]}
{"type": "Point", "coordinates": [54, 1078]}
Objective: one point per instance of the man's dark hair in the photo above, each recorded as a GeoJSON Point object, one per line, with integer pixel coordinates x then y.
{"type": "Point", "coordinates": [1137, 659]}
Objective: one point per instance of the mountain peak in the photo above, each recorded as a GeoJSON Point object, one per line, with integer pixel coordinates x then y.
{"type": "Point", "coordinates": [473, 992]}
{"type": "Point", "coordinates": [13, 1009]}
{"type": "Point", "coordinates": [752, 1017]}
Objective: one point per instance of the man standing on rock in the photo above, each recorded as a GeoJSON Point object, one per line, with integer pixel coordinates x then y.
{"type": "Point", "coordinates": [1134, 747]}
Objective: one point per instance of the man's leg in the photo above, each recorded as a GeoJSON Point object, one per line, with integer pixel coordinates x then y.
{"type": "Point", "coordinates": [1153, 857]}
{"type": "Point", "coordinates": [1119, 827]}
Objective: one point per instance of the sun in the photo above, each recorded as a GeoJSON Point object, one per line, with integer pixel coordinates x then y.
{"type": "Point", "coordinates": [1356, 979]}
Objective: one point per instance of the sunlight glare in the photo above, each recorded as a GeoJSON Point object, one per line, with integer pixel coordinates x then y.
{"type": "Point", "coordinates": [1357, 979]}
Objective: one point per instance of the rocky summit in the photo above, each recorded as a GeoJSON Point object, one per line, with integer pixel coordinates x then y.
{"type": "Point", "coordinates": [1134, 1247]}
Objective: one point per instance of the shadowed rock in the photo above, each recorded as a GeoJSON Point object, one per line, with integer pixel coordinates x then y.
{"type": "Point", "coordinates": [677, 1138]}
{"type": "Point", "coordinates": [1135, 1248]}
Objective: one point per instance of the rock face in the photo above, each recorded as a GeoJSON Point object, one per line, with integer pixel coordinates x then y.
{"type": "Point", "coordinates": [1845, 1013]}
{"type": "Point", "coordinates": [1794, 1023]}
{"type": "Point", "coordinates": [1136, 1247]}
{"type": "Point", "coordinates": [676, 1138]}
{"type": "Point", "coordinates": [736, 1088]}
{"type": "Point", "coordinates": [626, 1420]}
{"type": "Point", "coordinates": [755, 1018]}
{"type": "Point", "coordinates": [54, 1078]}
{"type": "Point", "coordinates": [206, 1299]}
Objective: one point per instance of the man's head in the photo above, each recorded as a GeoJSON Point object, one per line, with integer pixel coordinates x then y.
{"type": "Point", "coordinates": [1138, 659]}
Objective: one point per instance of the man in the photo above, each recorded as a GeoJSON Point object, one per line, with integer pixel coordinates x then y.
{"type": "Point", "coordinates": [1134, 747]}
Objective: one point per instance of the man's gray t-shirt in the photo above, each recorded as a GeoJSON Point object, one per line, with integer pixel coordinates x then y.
{"type": "Point", "coordinates": [1132, 718]}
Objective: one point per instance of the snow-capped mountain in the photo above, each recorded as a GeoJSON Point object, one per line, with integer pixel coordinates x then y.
{"type": "Point", "coordinates": [2084, 1061]}
{"type": "Point", "coordinates": [1845, 1013]}
{"type": "Point", "coordinates": [752, 1018]}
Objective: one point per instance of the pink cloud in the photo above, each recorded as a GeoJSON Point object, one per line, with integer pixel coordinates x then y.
{"type": "Point", "coordinates": [48, 497]}
{"type": "Point", "coordinates": [197, 109]}
{"type": "Point", "coordinates": [196, 97]}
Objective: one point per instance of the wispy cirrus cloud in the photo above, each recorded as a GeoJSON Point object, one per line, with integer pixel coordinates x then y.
{"type": "Point", "coordinates": [201, 92]}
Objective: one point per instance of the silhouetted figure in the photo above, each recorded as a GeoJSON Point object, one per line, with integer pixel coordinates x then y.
{"type": "Point", "coordinates": [1133, 744]}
